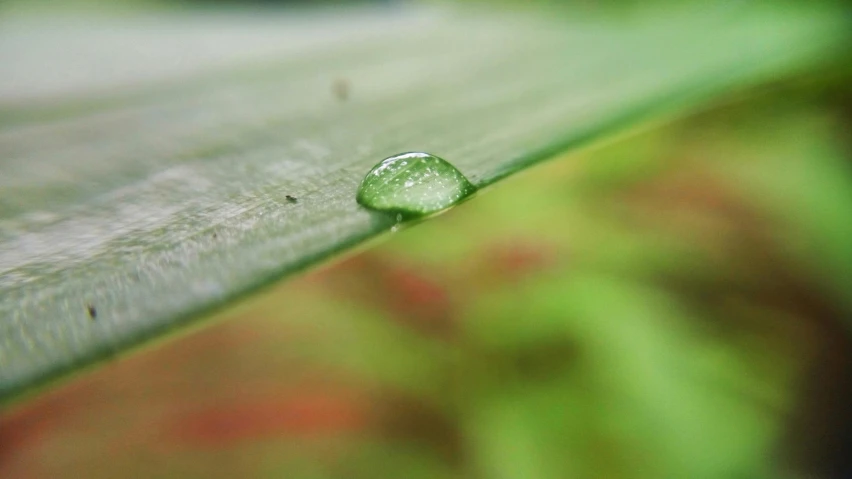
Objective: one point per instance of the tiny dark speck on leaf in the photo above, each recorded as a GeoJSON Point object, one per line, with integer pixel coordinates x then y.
{"type": "Point", "coordinates": [292, 199]}
{"type": "Point", "coordinates": [93, 313]}
{"type": "Point", "coordinates": [340, 87]}
{"type": "Point", "coordinates": [215, 236]}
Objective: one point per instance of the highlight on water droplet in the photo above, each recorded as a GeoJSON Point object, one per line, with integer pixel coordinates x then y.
{"type": "Point", "coordinates": [412, 185]}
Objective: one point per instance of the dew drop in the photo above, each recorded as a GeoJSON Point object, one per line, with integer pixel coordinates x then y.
{"type": "Point", "coordinates": [413, 185]}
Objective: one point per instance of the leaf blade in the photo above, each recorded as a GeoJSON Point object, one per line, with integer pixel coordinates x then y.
{"type": "Point", "coordinates": [159, 199]}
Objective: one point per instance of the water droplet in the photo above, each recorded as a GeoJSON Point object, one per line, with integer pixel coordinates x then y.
{"type": "Point", "coordinates": [413, 185]}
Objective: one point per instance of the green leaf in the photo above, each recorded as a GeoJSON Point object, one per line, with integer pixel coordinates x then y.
{"type": "Point", "coordinates": [146, 162]}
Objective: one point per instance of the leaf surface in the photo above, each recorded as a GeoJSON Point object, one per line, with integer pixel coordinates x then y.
{"type": "Point", "coordinates": [145, 161]}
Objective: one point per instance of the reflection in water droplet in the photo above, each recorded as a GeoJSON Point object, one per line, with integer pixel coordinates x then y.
{"type": "Point", "coordinates": [413, 185]}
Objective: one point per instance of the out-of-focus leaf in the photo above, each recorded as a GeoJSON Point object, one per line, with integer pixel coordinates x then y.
{"type": "Point", "coordinates": [641, 379]}
{"type": "Point", "coordinates": [145, 162]}
{"type": "Point", "coordinates": [808, 193]}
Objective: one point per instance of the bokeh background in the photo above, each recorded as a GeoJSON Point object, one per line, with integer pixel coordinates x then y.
{"type": "Point", "coordinates": [676, 303]}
